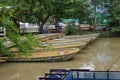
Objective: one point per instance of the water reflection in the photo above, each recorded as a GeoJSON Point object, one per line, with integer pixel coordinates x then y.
{"type": "Point", "coordinates": [16, 75]}
{"type": "Point", "coordinates": [90, 66]}
{"type": "Point", "coordinates": [105, 53]}
{"type": "Point", "coordinates": [100, 58]}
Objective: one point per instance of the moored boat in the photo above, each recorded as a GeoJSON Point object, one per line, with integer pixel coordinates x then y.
{"type": "Point", "coordinates": [66, 43]}
{"type": "Point", "coordinates": [3, 59]}
{"type": "Point", "coordinates": [60, 45]}
{"type": "Point", "coordinates": [45, 37]}
{"type": "Point", "coordinates": [49, 55]}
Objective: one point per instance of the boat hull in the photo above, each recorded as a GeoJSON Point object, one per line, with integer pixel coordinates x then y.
{"type": "Point", "coordinates": [59, 57]}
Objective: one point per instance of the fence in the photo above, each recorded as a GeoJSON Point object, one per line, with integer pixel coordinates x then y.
{"type": "Point", "coordinates": [78, 74]}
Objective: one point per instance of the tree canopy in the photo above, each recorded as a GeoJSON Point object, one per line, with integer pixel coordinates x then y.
{"type": "Point", "coordinates": [39, 11]}
{"type": "Point", "coordinates": [115, 16]}
{"type": "Point", "coordinates": [115, 12]}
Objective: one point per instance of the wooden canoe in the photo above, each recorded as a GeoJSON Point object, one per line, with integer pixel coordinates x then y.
{"type": "Point", "coordinates": [66, 43]}
{"type": "Point", "coordinates": [3, 59]}
{"type": "Point", "coordinates": [51, 55]}
{"type": "Point", "coordinates": [94, 35]}
{"type": "Point", "coordinates": [60, 45]}
{"type": "Point", "coordinates": [70, 40]}
{"type": "Point", "coordinates": [45, 37]}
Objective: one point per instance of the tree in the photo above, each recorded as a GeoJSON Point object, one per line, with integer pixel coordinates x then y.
{"type": "Point", "coordinates": [78, 9]}
{"type": "Point", "coordinates": [34, 11]}
{"type": "Point", "coordinates": [115, 12]}
{"type": "Point", "coordinates": [95, 3]}
{"type": "Point", "coordinates": [23, 43]}
{"type": "Point", "coordinates": [81, 10]}
{"type": "Point", "coordinates": [115, 16]}
{"type": "Point", "coordinates": [39, 11]}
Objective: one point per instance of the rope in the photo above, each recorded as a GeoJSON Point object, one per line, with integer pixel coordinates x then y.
{"type": "Point", "coordinates": [113, 63]}
{"type": "Point", "coordinates": [115, 59]}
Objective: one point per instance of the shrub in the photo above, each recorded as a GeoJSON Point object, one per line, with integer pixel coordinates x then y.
{"type": "Point", "coordinates": [3, 50]}
{"type": "Point", "coordinates": [71, 30]}
{"type": "Point", "coordinates": [116, 31]}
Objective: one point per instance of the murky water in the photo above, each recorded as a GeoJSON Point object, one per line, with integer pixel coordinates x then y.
{"type": "Point", "coordinates": [103, 54]}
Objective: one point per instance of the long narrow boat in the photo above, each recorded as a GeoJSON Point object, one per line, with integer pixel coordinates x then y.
{"type": "Point", "coordinates": [3, 59]}
{"type": "Point", "coordinates": [56, 46]}
{"type": "Point", "coordinates": [70, 40]}
{"type": "Point", "coordinates": [39, 38]}
{"type": "Point", "coordinates": [60, 45]}
{"type": "Point", "coordinates": [92, 36]}
{"type": "Point", "coordinates": [41, 56]}
{"type": "Point", "coordinates": [45, 37]}
{"type": "Point", "coordinates": [66, 43]}
{"type": "Point", "coordinates": [81, 36]}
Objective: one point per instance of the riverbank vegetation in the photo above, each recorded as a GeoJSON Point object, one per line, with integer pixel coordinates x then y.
{"type": "Point", "coordinates": [24, 43]}
{"type": "Point", "coordinates": [115, 17]}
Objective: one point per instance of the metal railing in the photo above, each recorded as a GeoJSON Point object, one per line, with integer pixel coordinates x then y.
{"type": "Point", "coordinates": [78, 74]}
{"type": "Point", "coordinates": [95, 75]}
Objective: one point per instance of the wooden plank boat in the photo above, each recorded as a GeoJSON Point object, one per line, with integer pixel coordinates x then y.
{"type": "Point", "coordinates": [89, 35]}
{"type": "Point", "coordinates": [49, 55]}
{"type": "Point", "coordinates": [66, 43]}
{"type": "Point", "coordinates": [60, 45]}
{"type": "Point", "coordinates": [40, 38]}
{"type": "Point", "coordinates": [81, 36]}
{"type": "Point", "coordinates": [70, 40]}
{"type": "Point", "coordinates": [57, 45]}
{"type": "Point", "coordinates": [3, 59]}
{"type": "Point", "coordinates": [45, 37]}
